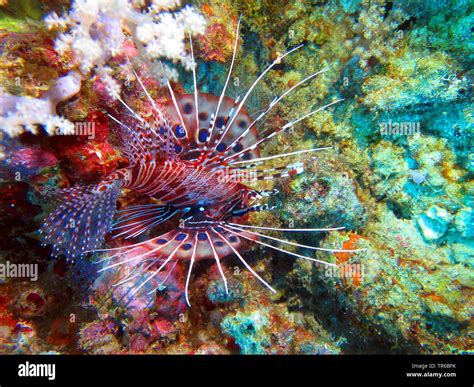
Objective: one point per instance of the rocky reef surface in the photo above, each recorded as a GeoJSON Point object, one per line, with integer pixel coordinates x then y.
{"type": "Point", "coordinates": [398, 177]}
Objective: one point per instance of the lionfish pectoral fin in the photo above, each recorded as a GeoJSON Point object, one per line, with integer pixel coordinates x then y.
{"type": "Point", "coordinates": [135, 220]}
{"type": "Point", "coordinates": [157, 257]}
{"type": "Point", "coordinates": [194, 244]}
{"type": "Point", "coordinates": [231, 239]}
{"type": "Point", "coordinates": [82, 218]}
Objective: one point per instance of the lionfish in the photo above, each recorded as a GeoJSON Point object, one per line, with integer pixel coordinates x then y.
{"type": "Point", "coordinates": [192, 158]}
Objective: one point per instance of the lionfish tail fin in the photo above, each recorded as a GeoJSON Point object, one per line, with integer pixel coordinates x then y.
{"type": "Point", "coordinates": [82, 219]}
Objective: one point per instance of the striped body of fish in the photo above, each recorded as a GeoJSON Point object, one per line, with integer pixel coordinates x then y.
{"type": "Point", "coordinates": [196, 158]}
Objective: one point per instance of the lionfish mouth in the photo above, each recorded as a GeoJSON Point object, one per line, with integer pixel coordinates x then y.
{"type": "Point", "coordinates": [196, 157]}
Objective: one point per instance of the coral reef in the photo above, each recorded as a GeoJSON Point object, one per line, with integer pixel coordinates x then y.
{"type": "Point", "coordinates": [98, 35]}
{"type": "Point", "coordinates": [94, 31]}
{"type": "Point", "coordinates": [18, 113]}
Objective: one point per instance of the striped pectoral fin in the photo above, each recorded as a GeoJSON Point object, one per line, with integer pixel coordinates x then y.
{"type": "Point", "coordinates": [157, 257]}
{"type": "Point", "coordinates": [135, 220]}
{"type": "Point", "coordinates": [194, 244]}
{"type": "Point", "coordinates": [81, 220]}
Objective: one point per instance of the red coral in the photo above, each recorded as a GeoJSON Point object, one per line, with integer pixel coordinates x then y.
{"type": "Point", "coordinates": [105, 99]}
{"type": "Point", "coordinates": [216, 44]}
{"type": "Point", "coordinates": [145, 331]}
{"type": "Point", "coordinates": [89, 160]}
{"type": "Point", "coordinates": [33, 158]}
{"type": "Point", "coordinates": [7, 322]}
{"type": "Point", "coordinates": [95, 332]}
{"type": "Point", "coordinates": [34, 303]}
{"type": "Point", "coordinates": [101, 125]}
{"type": "Point", "coordinates": [172, 302]}
{"type": "Point", "coordinates": [62, 333]}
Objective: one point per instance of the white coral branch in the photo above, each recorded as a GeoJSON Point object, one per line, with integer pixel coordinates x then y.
{"type": "Point", "coordinates": [93, 30]}
{"type": "Point", "coordinates": [19, 114]}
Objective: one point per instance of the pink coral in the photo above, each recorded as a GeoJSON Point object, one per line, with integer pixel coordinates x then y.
{"type": "Point", "coordinates": [33, 158]}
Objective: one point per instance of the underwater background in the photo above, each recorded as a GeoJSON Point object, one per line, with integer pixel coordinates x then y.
{"type": "Point", "coordinates": [398, 176]}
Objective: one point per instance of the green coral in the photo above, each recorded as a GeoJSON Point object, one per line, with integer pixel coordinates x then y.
{"type": "Point", "coordinates": [414, 78]}
{"type": "Point", "coordinates": [18, 15]}
{"type": "Point", "coordinates": [248, 331]}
